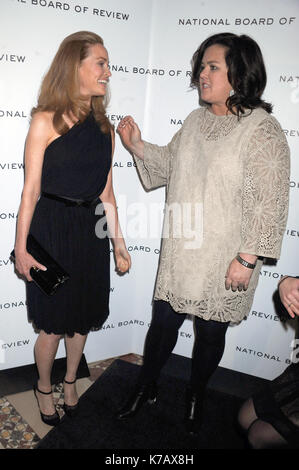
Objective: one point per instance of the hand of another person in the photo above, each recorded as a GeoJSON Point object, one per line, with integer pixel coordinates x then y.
{"type": "Point", "coordinates": [24, 262]}
{"type": "Point", "coordinates": [130, 135]}
{"type": "Point", "coordinates": [289, 295]}
{"type": "Point", "coordinates": [237, 276]}
{"type": "Point", "coordinates": [122, 259]}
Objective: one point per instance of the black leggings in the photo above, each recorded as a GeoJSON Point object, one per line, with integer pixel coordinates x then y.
{"type": "Point", "coordinates": [162, 337]}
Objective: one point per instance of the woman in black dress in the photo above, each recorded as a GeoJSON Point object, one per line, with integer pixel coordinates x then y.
{"type": "Point", "coordinates": [67, 204]}
{"type": "Point", "coordinates": [271, 417]}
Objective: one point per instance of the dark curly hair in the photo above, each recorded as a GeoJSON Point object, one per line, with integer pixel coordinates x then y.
{"type": "Point", "coordinates": [246, 71]}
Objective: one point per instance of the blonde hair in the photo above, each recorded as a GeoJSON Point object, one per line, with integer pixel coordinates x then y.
{"type": "Point", "coordinates": [59, 91]}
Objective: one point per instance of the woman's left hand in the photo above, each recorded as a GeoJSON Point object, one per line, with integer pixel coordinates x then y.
{"type": "Point", "coordinates": [237, 276]}
{"type": "Point", "coordinates": [122, 259]}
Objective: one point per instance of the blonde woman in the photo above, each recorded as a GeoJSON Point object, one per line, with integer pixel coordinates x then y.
{"type": "Point", "coordinates": [68, 173]}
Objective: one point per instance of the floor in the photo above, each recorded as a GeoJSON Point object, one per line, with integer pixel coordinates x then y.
{"type": "Point", "coordinates": [20, 423]}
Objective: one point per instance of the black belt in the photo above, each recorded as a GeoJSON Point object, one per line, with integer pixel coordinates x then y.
{"type": "Point", "coordinates": [71, 202]}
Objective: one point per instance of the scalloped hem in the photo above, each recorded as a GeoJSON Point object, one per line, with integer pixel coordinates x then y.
{"type": "Point", "coordinates": [69, 333]}
{"type": "Point", "coordinates": [199, 308]}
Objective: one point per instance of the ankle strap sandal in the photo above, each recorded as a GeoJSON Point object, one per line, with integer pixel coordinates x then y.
{"type": "Point", "coordinates": [70, 410]}
{"type": "Point", "coordinates": [50, 420]}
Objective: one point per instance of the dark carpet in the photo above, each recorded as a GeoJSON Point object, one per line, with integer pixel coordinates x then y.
{"type": "Point", "coordinates": [158, 426]}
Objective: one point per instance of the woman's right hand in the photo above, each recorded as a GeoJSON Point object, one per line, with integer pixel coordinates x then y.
{"type": "Point", "coordinates": [131, 136]}
{"type": "Point", "coordinates": [289, 295]}
{"type": "Point", "coordinates": [24, 262]}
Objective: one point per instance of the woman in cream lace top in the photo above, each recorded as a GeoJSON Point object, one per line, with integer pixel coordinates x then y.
{"type": "Point", "coordinates": [229, 166]}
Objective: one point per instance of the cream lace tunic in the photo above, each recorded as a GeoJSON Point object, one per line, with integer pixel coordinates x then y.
{"type": "Point", "coordinates": [234, 175]}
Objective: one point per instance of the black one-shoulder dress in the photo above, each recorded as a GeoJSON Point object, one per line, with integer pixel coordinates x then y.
{"type": "Point", "coordinates": [76, 166]}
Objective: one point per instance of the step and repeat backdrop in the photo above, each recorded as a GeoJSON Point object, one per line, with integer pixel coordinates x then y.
{"type": "Point", "coordinates": [150, 45]}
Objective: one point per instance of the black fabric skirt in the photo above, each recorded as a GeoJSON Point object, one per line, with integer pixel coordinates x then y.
{"type": "Point", "coordinates": [277, 403]}
{"type": "Point", "coordinates": [68, 234]}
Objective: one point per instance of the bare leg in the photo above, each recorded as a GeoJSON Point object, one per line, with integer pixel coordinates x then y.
{"type": "Point", "coordinates": [74, 350]}
{"type": "Point", "coordinates": [45, 350]}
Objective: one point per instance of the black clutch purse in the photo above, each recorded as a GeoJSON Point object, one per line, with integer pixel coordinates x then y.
{"type": "Point", "coordinates": [55, 276]}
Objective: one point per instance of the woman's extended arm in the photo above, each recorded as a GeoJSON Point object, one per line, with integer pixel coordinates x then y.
{"type": "Point", "coordinates": [131, 136]}
{"type": "Point", "coordinates": [265, 199]}
{"type": "Point", "coordinates": [39, 134]}
{"type": "Point", "coordinates": [154, 162]}
{"type": "Point", "coordinates": [122, 257]}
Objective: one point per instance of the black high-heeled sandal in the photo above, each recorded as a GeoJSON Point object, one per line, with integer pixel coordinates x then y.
{"type": "Point", "coordinates": [50, 420]}
{"type": "Point", "coordinates": [70, 410]}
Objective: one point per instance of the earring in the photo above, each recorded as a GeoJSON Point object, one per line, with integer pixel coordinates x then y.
{"type": "Point", "coordinates": [232, 92]}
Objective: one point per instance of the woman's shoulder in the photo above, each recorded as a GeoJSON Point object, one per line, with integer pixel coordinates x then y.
{"type": "Point", "coordinates": [42, 119]}
{"type": "Point", "coordinates": [261, 116]}
{"type": "Point", "coordinates": [266, 122]}
{"type": "Point", "coordinates": [192, 117]}
{"type": "Point", "coordinates": [195, 113]}
{"type": "Point", "coordinates": [41, 125]}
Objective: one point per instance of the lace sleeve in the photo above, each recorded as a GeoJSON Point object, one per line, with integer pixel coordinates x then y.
{"type": "Point", "coordinates": [265, 190]}
{"type": "Point", "coordinates": [155, 169]}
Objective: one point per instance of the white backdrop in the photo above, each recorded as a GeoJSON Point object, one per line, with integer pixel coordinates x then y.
{"type": "Point", "coordinates": [150, 45]}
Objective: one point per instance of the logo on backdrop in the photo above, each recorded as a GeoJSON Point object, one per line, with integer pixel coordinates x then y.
{"type": "Point", "coordinates": [289, 79]}
{"type": "Point", "coordinates": [5, 262]}
{"type": "Point", "coordinates": [294, 184]}
{"type": "Point", "coordinates": [8, 216]}
{"type": "Point", "coordinates": [120, 324]}
{"type": "Point", "coordinates": [115, 117]}
{"type": "Point", "coordinates": [80, 9]}
{"type": "Point", "coordinates": [13, 304]}
{"type": "Point", "coordinates": [176, 122]}
{"type": "Point", "coordinates": [10, 345]}
{"type": "Point", "coordinates": [119, 164]}
{"type": "Point", "coordinates": [9, 113]}
{"type": "Point", "coordinates": [5, 166]}
{"type": "Point", "coordinates": [145, 70]}
{"type": "Point", "coordinates": [2, 352]}
{"type": "Point", "coordinates": [7, 57]}
{"type": "Point", "coordinates": [292, 81]}
{"type": "Point", "coordinates": [283, 21]}
{"type": "Point", "coordinates": [15, 344]}
{"type": "Point", "coordinates": [292, 233]}
{"type": "Point", "coordinates": [264, 316]}
{"type": "Point", "coordinates": [266, 355]}
{"type": "Point", "coordinates": [142, 249]}
{"type": "Point", "coordinates": [269, 274]}
{"type": "Point", "coordinates": [135, 322]}
{"type": "Point", "coordinates": [291, 132]}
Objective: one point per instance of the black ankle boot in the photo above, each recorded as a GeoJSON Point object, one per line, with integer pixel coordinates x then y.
{"type": "Point", "coordinates": [141, 395]}
{"type": "Point", "coordinates": [194, 408]}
